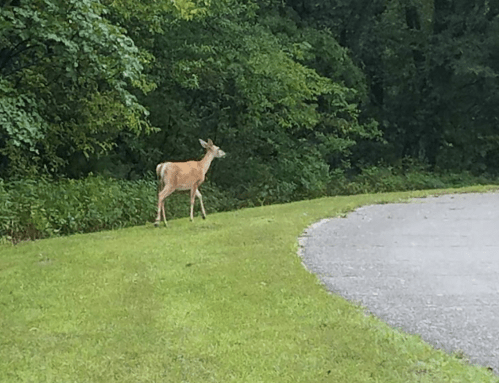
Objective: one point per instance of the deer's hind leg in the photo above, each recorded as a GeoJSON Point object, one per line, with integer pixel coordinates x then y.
{"type": "Point", "coordinates": [167, 190]}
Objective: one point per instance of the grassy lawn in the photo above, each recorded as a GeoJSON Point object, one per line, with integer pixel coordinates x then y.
{"type": "Point", "coordinates": [221, 300]}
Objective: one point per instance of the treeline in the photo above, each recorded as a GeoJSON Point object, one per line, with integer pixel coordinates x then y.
{"type": "Point", "coordinates": [298, 93]}
{"type": "Point", "coordinates": [431, 68]}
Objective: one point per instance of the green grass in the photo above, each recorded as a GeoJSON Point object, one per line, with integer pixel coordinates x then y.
{"type": "Point", "coordinates": [221, 300]}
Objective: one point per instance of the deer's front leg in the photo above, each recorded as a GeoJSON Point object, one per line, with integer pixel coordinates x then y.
{"type": "Point", "coordinates": [198, 194]}
{"type": "Point", "coordinates": [193, 196]}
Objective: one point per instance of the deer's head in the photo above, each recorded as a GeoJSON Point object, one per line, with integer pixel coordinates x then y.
{"type": "Point", "coordinates": [211, 147]}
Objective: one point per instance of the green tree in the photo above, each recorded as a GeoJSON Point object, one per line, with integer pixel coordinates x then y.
{"type": "Point", "coordinates": [79, 79]}
{"type": "Point", "coordinates": [431, 72]}
{"type": "Point", "coordinates": [465, 79]}
{"type": "Point", "coordinates": [66, 81]}
{"type": "Point", "coordinates": [256, 83]}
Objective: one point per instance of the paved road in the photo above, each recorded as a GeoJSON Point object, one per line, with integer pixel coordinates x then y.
{"type": "Point", "coordinates": [430, 267]}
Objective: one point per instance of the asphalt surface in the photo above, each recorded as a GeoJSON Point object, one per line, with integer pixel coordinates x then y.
{"type": "Point", "coordinates": [429, 267]}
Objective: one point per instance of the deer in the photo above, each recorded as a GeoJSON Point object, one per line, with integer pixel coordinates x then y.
{"type": "Point", "coordinates": [185, 176]}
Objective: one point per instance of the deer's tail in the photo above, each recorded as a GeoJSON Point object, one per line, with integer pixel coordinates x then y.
{"type": "Point", "coordinates": [160, 173]}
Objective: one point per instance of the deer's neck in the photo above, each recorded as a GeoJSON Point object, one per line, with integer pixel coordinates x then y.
{"type": "Point", "coordinates": [206, 161]}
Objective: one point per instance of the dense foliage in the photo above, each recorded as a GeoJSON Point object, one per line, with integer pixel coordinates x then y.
{"type": "Point", "coordinates": [432, 71]}
{"type": "Point", "coordinates": [299, 94]}
{"type": "Point", "coordinates": [32, 209]}
{"type": "Point", "coordinates": [66, 74]}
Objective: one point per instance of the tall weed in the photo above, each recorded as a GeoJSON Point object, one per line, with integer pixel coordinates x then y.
{"type": "Point", "coordinates": [39, 208]}
{"type": "Point", "coordinates": [381, 179]}
{"type": "Point", "coordinates": [32, 209]}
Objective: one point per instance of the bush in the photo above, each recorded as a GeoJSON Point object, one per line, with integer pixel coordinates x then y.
{"type": "Point", "coordinates": [32, 209]}
{"type": "Point", "coordinates": [381, 179]}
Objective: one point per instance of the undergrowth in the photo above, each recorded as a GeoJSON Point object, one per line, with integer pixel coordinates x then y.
{"type": "Point", "coordinates": [34, 209]}
{"type": "Point", "coordinates": [40, 208]}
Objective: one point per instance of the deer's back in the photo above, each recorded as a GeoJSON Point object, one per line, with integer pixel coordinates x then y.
{"type": "Point", "coordinates": [182, 175]}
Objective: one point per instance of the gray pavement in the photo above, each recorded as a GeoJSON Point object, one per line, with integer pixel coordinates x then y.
{"type": "Point", "coordinates": [429, 267]}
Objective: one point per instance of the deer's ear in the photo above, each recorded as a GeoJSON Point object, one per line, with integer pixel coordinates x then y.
{"type": "Point", "coordinates": [203, 143]}
{"type": "Point", "coordinates": [210, 142]}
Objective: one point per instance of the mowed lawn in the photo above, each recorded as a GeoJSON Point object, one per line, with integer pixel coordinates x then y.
{"type": "Point", "coordinates": [221, 300]}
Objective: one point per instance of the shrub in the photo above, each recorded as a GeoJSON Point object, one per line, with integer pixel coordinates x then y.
{"type": "Point", "coordinates": [32, 209]}
{"type": "Point", "coordinates": [380, 179]}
